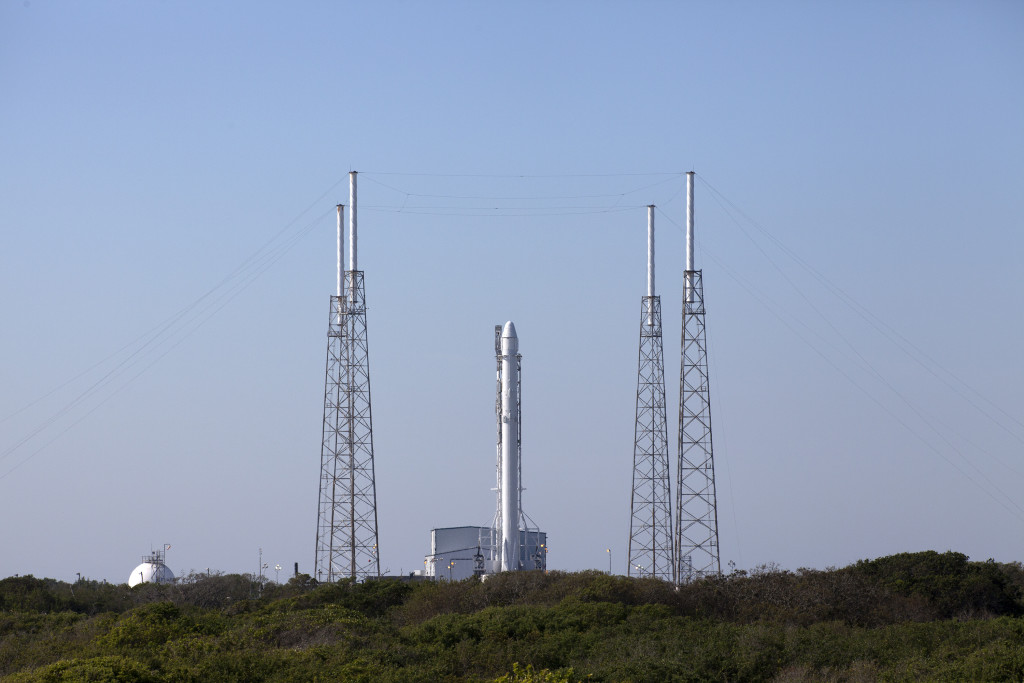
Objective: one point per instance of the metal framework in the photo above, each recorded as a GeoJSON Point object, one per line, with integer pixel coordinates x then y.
{"type": "Point", "coordinates": [696, 510]}
{"type": "Point", "coordinates": [526, 524]}
{"type": "Point", "coordinates": [346, 537]}
{"type": "Point", "coordinates": [650, 528]}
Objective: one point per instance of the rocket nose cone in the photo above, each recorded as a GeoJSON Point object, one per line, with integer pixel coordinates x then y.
{"type": "Point", "coordinates": [509, 331]}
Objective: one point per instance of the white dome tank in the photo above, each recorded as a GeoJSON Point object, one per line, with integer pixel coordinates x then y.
{"type": "Point", "coordinates": [152, 570]}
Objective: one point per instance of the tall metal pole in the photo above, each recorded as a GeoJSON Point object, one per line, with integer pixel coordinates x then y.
{"type": "Point", "coordinates": [650, 263]}
{"type": "Point", "coordinates": [650, 532]}
{"type": "Point", "coordinates": [689, 220]}
{"type": "Point", "coordinates": [696, 541]}
{"type": "Point", "coordinates": [341, 243]}
{"type": "Point", "coordinates": [689, 237]}
{"type": "Point", "coordinates": [350, 436]}
{"type": "Point", "coordinates": [353, 237]}
{"type": "Point", "coordinates": [499, 523]}
{"type": "Point", "coordinates": [347, 540]}
{"type": "Point", "coordinates": [353, 263]}
{"type": "Point", "coordinates": [351, 443]}
{"type": "Point", "coordinates": [650, 250]}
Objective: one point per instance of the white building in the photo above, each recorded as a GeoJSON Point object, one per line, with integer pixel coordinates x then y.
{"type": "Point", "coordinates": [460, 552]}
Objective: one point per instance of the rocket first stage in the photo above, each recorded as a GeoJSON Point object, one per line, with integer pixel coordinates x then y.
{"type": "Point", "coordinates": [512, 542]}
{"type": "Point", "coordinates": [511, 491]}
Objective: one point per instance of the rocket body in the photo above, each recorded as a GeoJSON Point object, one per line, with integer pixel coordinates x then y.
{"type": "Point", "coordinates": [510, 485]}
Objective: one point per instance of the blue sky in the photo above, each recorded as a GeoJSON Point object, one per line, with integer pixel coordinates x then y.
{"type": "Point", "coordinates": [849, 156]}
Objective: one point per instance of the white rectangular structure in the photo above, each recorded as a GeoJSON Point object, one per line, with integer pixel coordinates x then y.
{"type": "Point", "coordinates": [460, 552]}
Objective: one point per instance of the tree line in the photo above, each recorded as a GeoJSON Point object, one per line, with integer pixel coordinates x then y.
{"type": "Point", "coordinates": [912, 616]}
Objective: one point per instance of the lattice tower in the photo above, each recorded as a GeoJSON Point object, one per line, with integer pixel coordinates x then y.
{"type": "Point", "coordinates": [696, 509]}
{"type": "Point", "coordinates": [346, 533]}
{"type": "Point", "coordinates": [650, 530]}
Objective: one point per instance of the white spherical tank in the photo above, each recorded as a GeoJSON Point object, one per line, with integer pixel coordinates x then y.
{"type": "Point", "coordinates": [152, 570]}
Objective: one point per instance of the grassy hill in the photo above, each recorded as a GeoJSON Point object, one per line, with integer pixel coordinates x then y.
{"type": "Point", "coordinates": [914, 616]}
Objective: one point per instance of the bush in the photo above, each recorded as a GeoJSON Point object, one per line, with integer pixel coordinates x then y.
{"type": "Point", "coordinates": [112, 669]}
{"type": "Point", "coordinates": [950, 584]}
{"type": "Point", "coordinates": [915, 616]}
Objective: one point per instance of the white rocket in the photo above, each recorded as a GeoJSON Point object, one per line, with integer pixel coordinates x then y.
{"type": "Point", "coordinates": [511, 490]}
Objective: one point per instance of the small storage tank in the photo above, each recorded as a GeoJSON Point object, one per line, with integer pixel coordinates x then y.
{"type": "Point", "coordinates": [152, 570]}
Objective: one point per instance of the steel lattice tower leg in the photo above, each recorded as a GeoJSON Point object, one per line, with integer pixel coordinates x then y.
{"type": "Point", "coordinates": [650, 529]}
{"type": "Point", "coordinates": [346, 539]}
{"type": "Point", "coordinates": [696, 509]}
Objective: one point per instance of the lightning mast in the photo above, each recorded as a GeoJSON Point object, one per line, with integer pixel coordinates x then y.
{"type": "Point", "coordinates": [650, 529]}
{"type": "Point", "coordinates": [696, 507]}
{"type": "Point", "coordinates": [346, 534]}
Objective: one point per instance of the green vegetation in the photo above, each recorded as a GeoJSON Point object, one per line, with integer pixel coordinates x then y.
{"type": "Point", "coordinates": [914, 616]}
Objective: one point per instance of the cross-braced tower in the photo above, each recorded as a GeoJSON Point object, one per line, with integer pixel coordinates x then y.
{"type": "Point", "coordinates": [696, 508]}
{"type": "Point", "coordinates": [346, 533]}
{"type": "Point", "coordinates": [650, 528]}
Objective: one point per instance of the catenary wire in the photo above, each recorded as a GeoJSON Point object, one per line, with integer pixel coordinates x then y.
{"type": "Point", "coordinates": [523, 197]}
{"type": "Point", "coordinates": [860, 357]}
{"type": "Point", "coordinates": [1013, 508]}
{"type": "Point", "coordinates": [863, 360]}
{"type": "Point", "coordinates": [914, 352]}
{"type": "Point", "coordinates": [221, 293]}
{"type": "Point", "coordinates": [523, 175]}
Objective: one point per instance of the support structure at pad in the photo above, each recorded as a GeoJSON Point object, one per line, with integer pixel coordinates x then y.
{"type": "Point", "coordinates": [650, 529]}
{"type": "Point", "coordinates": [346, 538]}
{"type": "Point", "coordinates": [696, 526]}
